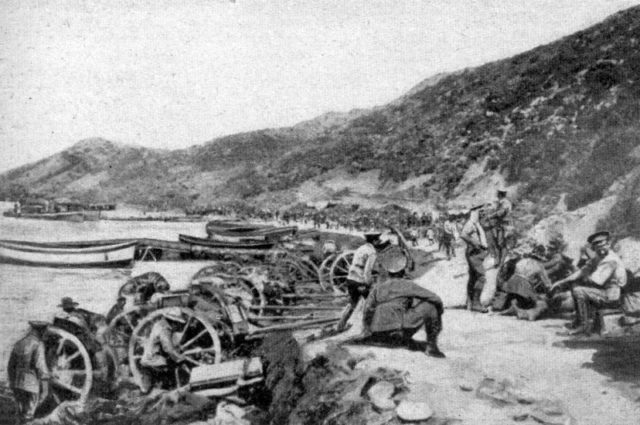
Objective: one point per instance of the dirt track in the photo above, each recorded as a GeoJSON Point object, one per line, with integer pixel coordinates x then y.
{"type": "Point", "coordinates": [594, 382]}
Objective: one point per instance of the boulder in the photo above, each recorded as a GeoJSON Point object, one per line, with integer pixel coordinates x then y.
{"type": "Point", "coordinates": [381, 395]}
{"type": "Point", "coordinates": [413, 411]}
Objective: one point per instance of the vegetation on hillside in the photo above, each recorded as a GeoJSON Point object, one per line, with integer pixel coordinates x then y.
{"type": "Point", "coordinates": [559, 119]}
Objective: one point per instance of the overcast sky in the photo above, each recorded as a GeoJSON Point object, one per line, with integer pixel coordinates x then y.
{"type": "Point", "coordinates": [170, 74]}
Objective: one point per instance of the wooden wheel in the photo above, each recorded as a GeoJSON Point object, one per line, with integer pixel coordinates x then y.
{"type": "Point", "coordinates": [340, 270]}
{"type": "Point", "coordinates": [70, 366]}
{"type": "Point", "coordinates": [120, 329]}
{"type": "Point", "coordinates": [197, 339]}
{"type": "Point", "coordinates": [324, 271]}
{"type": "Point", "coordinates": [301, 269]}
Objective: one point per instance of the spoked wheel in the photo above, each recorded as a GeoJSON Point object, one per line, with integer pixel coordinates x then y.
{"type": "Point", "coordinates": [340, 270]}
{"type": "Point", "coordinates": [197, 339]}
{"type": "Point", "coordinates": [121, 328]}
{"type": "Point", "coordinates": [324, 271]}
{"type": "Point", "coordinates": [70, 366]}
{"type": "Point", "coordinates": [301, 269]}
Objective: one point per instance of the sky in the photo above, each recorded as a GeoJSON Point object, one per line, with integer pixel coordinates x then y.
{"type": "Point", "coordinates": [171, 74]}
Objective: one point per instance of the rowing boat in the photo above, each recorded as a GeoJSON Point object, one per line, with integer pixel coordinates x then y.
{"type": "Point", "coordinates": [30, 253]}
{"type": "Point", "coordinates": [193, 240]}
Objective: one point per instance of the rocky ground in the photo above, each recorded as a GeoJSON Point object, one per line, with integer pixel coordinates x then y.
{"type": "Point", "coordinates": [498, 370]}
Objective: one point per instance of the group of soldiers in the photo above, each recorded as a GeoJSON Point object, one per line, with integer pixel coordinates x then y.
{"type": "Point", "coordinates": [544, 280]}
{"type": "Point", "coordinates": [395, 308]}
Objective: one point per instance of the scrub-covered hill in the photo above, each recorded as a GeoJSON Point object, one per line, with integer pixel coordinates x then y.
{"type": "Point", "coordinates": [557, 123]}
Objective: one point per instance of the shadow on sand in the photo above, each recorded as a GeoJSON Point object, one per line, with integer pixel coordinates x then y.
{"type": "Point", "coordinates": [616, 358]}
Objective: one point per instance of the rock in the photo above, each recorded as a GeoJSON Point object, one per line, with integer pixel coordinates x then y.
{"type": "Point", "coordinates": [380, 395]}
{"type": "Point", "coordinates": [414, 411]}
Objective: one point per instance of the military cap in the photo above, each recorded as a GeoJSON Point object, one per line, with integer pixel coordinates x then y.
{"type": "Point", "coordinates": [502, 192]}
{"type": "Point", "coordinates": [372, 235]}
{"type": "Point", "coordinates": [599, 238]}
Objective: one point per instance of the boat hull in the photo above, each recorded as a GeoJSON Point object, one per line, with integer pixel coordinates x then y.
{"type": "Point", "coordinates": [119, 255]}
{"type": "Point", "coordinates": [218, 244]}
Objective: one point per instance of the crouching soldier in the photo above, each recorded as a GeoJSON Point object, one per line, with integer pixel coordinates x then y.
{"type": "Point", "coordinates": [28, 371]}
{"type": "Point", "coordinates": [161, 358]}
{"type": "Point", "coordinates": [399, 306]}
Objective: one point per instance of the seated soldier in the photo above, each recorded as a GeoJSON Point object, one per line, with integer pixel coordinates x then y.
{"type": "Point", "coordinates": [598, 282]}
{"type": "Point", "coordinates": [399, 306]}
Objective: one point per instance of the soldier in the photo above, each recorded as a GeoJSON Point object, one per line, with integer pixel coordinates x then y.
{"type": "Point", "coordinates": [398, 305]}
{"type": "Point", "coordinates": [117, 308]}
{"type": "Point", "coordinates": [28, 371]}
{"type": "Point", "coordinates": [476, 240]}
{"type": "Point", "coordinates": [600, 282]}
{"type": "Point", "coordinates": [160, 356]}
{"type": "Point", "coordinates": [360, 276]}
{"type": "Point", "coordinates": [498, 220]}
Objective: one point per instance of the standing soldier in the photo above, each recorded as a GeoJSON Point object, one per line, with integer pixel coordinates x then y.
{"type": "Point", "coordinates": [473, 234]}
{"type": "Point", "coordinates": [448, 236]}
{"type": "Point", "coordinates": [28, 371]}
{"type": "Point", "coordinates": [360, 276]}
{"type": "Point", "coordinates": [498, 220]}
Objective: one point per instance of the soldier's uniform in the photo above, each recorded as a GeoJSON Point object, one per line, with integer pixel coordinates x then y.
{"type": "Point", "coordinates": [27, 369]}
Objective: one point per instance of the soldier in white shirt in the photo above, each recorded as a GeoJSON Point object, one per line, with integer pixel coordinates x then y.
{"type": "Point", "coordinates": [360, 276]}
{"type": "Point", "coordinates": [600, 281]}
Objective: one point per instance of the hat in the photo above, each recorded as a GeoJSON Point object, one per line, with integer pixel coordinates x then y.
{"type": "Point", "coordinates": [599, 238]}
{"type": "Point", "coordinates": [372, 235]}
{"type": "Point", "coordinates": [38, 324]}
{"type": "Point", "coordinates": [393, 260]}
{"type": "Point", "coordinates": [175, 314]}
{"type": "Point", "coordinates": [502, 192]}
{"type": "Point", "coordinates": [67, 302]}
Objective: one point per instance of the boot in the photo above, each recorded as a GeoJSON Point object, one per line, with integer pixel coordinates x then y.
{"type": "Point", "coordinates": [476, 305]}
{"type": "Point", "coordinates": [432, 349]}
{"type": "Point", "coordinates": [586, 325]}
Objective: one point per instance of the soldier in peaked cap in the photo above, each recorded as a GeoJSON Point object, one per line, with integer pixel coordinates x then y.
{"type": "Point", "coordinates": [498, 220]}
{"type": "Point", "coordinates": [397, 306]}
{"type": "Point", "coordinates": [28, 371]}
{"type": "Point", "coordinates": [360, 277]}
{"type": "Point", "coordinates": [599, 282]}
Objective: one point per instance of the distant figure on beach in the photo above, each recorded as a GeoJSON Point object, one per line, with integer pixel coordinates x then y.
{"type": "Point", "coordinates": [476, 240]}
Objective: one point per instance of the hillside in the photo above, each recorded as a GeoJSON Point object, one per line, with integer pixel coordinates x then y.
{"type": "Point", "coordinates": [559, 122]}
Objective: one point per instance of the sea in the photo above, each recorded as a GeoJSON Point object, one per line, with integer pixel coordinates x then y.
{"type": "Point", "coordinates": [33, 293]}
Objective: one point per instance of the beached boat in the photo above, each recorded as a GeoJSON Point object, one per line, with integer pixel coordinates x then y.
{"type": "Point", "coordinates": [267, 232]}
{"type": "Point", "coordinates": [29, 253]}
{"type": "Point", "coordinates": [193, 240]}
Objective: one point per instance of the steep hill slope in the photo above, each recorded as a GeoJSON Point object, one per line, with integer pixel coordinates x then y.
{"type": "Point", "coordinates": [559, 122]}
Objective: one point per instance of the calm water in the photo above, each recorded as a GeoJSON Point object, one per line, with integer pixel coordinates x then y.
{"type": "Point", "coordinates": [33, 293]}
